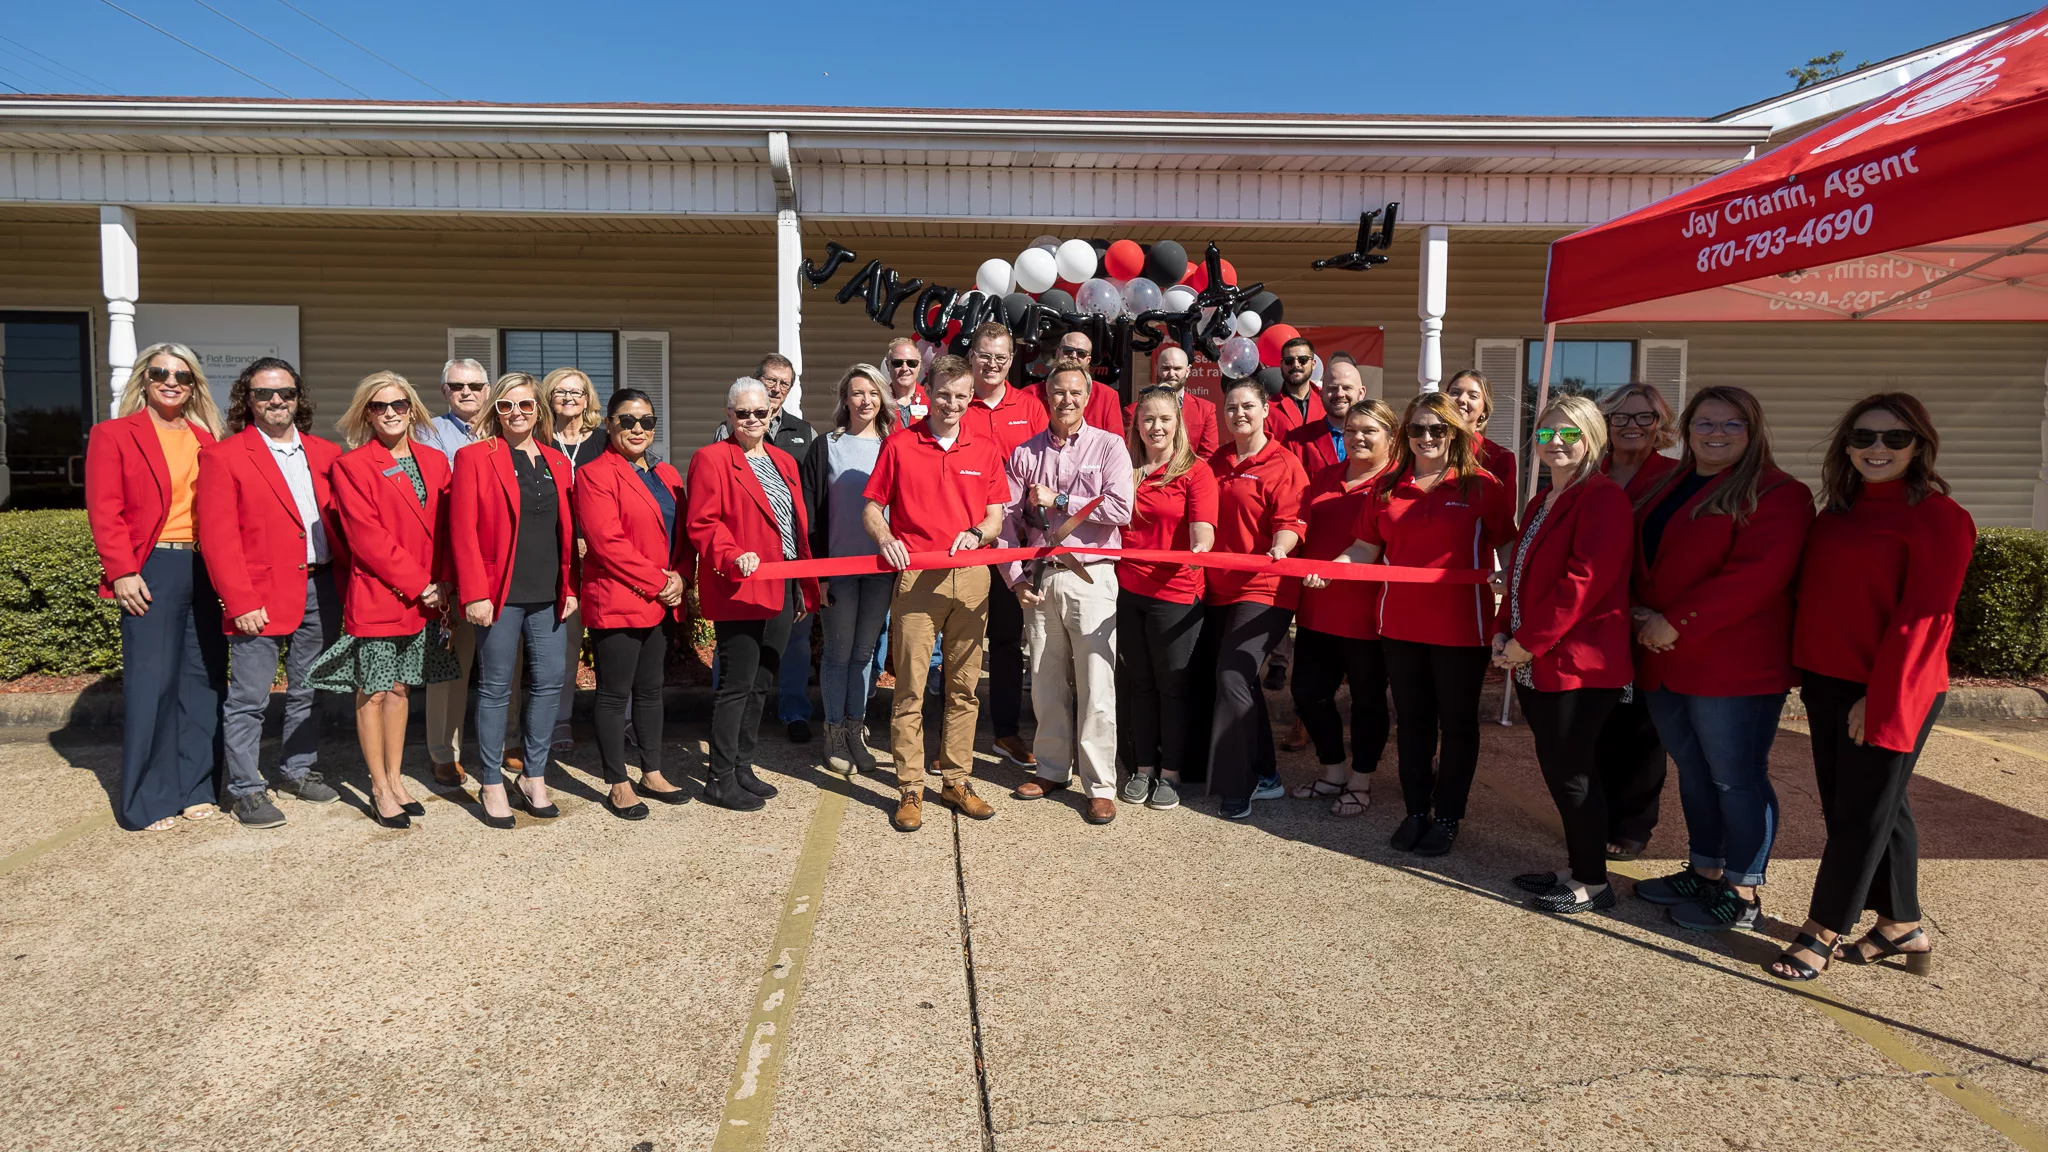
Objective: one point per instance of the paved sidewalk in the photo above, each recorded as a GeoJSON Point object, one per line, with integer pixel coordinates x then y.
{"type": "Point", "coordinates": [1171, 981]}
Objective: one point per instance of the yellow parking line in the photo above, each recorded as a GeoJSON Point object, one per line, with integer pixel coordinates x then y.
{"type": "Point", "coordinates": [1981, 739]}
{"type": "Point", "coordinates": [44, 847]}
{"type": "Point", "coordinates": [750, 1101]}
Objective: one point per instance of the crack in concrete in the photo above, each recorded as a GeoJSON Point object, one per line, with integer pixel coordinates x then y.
{"type": "Point", "coordinates": [988, 1125]}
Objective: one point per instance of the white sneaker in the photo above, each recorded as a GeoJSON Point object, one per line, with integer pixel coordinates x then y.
{"type": "Point", "coordinates": [836, 759]}
{"type": "Point", "coordinates": [1269, 788]}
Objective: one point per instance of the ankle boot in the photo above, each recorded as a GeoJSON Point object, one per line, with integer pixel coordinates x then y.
{"type": "Point", "coordinates": [752, 783]}
{"type": "Point", "coordinates": [835, 748]}
{"type": "Point", "coordinates": [857, 747]}
{"type": "Point", "coordinates": [723, 790]}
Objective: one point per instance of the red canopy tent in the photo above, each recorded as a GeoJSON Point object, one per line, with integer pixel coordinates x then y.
{"type": "Point", "coordinates": [1928, 203]}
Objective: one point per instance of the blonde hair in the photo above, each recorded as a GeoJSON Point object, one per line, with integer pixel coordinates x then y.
{"type": "Point", "coordinates": [354, 424]}
{"type": "Point", "coordinates": [1666, 435]}
{"type": "Point", "coordinates": [489, 427]}
{"type": "Point", "coordinates": [1178, 459]}
{"type": "Point", "coordinates": [1592, 430]}
{"type": "Point", "coordinates": [199, 406]}
{"type": "Point", "coordinates": [873, 375]}
{"type": "Point", "coordinates": [590, 418]}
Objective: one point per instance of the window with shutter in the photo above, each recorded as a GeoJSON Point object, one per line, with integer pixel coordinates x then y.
{"type": "Point", "coordinates": [1501, 362]}
{"type": "Point", "coordinates": [1662, 366]}
{"type": "Point", "coordinates": [478, 344]}
{"type": "Point", "coordinates": [645, 366]}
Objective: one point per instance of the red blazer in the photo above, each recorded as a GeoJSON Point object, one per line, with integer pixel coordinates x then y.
{"type": "Point", "coordinates": [729, 516]}
{"type": "Point", "coordinates": [394, 547]}
{"type": "Point", "coordinates": [128, 492]}
{"type": "Point", "coordinates": [1281, 414]}
{"type": "Point", "coordinates": [1727, 590]}
{"type": "Point", "coordinates": [483, 522]}
{"type": "Point", "coordinates": [628, 543]}
{"type": "Point", "coordinates": [1311, 444]}
{"type": "Point", "coordinates": [249, 530]}
{"type": "Point", "coordinates": [1573, 585]}
{"type": "Point", "coordinates": [1647, 474]}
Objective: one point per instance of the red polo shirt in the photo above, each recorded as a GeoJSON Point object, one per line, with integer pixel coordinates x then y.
{"type": "Point", "coordinates": [1017, 417]}
{"type": "Point", "coordinates": [1453, 525]}
{"type": "Point", "coordinates": [1347, 608]}
{"type": "Point", "coordinates": [1256, 498]}
{"type": "Point", "coordinates": [1161, 515]}
{"type": "Point", "coordinates": [934, 494]}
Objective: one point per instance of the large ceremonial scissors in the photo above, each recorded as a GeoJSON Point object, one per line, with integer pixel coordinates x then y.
{"type": "Point", "coordinates": [1036, 516]}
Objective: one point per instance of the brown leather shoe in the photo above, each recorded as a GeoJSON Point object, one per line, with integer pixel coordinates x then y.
{"type": "Point", "coordinates": [1101, 810]}
{"type": "Point", "coordinates": [448, 775]}
{"type": "Point", "coordinates": [1016, 750]}
{"type": "Point", "coordinates": [961, 798]}
{"type": "Point", "coordinates": [1038, 788]}
{"type": "Point", "coordinates": [1297, 738]}
{"type": "Point", "coordinates": [910, 810]}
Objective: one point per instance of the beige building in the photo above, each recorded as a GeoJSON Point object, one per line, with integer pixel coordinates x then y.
{"type": "Point", "coordinates": [657, 247]}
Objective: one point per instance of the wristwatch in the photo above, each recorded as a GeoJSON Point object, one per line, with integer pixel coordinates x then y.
{"type": "Point", "coordinates": [1060, 501]}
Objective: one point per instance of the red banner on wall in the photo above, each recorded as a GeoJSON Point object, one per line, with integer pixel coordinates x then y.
{"type": "Point", "coordinates": [1368, 346]}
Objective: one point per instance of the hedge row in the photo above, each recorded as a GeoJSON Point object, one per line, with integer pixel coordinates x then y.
{"type": "Point", "coordinates": [52, 621]}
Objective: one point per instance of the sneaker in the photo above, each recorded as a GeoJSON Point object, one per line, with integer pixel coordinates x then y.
{"type": "Point", "coordinates": [799, 732]}
{"type": "Point", "coordinates": [1236, 808]}
{"type": "Point", "coordinates": [1561, 901]}
{"type": "Point", "coordinates": [836, 760]}
{"type": "Point", "coordinates": [311, 789]}
{"type": "Point", "coordinates": [1718, 911]}
{"type": "Point", "coordinates": [1165, 797]}
{"type": "Point", "coordinates": [1268, 788]}
{"type": "Point", "coordinates": [1136, 790]}
{"type": "Point", "coordinates": [1409, 832]}
{"type": "Point", "coordinates": [1016, 750]}
{"type": "Point", "coordinates": [256, 811]}
{"type": "Point", "coordinates": [1437, 838]}
{"type": "Point", "coordinates": [1678, 888]}
{"type": "Point", "coordinates": [857, 747]}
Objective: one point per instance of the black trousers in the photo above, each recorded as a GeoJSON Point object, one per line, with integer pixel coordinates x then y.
{"type": "Point", "coordinates": [749, 669]}
{"type": "Point", "coordinates": [1436, 691]}
{"type": "Point", "coordinates": [1872, 858]}
{"type": "Point", "coordinates": [1321, 663]}
{"type": "Point", "coordinates": [1241, 734]}
{"type": "Point", "coordinates": [1005, 656]}
{"type": "Point", "coordinates": [632, 666]}
{"type": "Point", "coordinates": [1155, 648]}
{"type": "Point", "coordinates": [1566, 726]}
{"type": "Point", "coordinates": [1631, 765]}
{"type": "Point", "coordinates": [174, 664]}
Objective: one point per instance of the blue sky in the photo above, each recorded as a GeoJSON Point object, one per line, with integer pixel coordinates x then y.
{"type": "Point", "coordinates": [1648, 58]}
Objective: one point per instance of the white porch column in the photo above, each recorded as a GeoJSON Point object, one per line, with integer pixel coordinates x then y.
{"type": "Point", "coordinates": [1429, 305]}
{"type": "Point", "coordinates": [789, 252]}
{"type": "Point", "coordinates": [121, 282]}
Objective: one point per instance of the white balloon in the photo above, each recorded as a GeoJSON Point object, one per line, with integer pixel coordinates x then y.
{"type": "Point", "coordinates": [1076, 260]}
{"type": "Point", "coordinates": [1051, 244]}
{"type": "Point", "coordinates": [1142, 295]}
{"type": "Point", "coordinates": [1238, 357]}
{"type": "Point", "coordinates": [1099, 297]}
{"type": "Point", "coordinates": [1179, 298]}
{"type": "Point", "coordinates": [994, 278]}
{"type": "Point", "coordinates": [1248, 323]}
{"type": "Point", "coordinates": [1316, 373]}
{"type": "Point", "coordinates": [1036, 270]}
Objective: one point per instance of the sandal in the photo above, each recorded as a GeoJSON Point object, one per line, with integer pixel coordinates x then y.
{"type": "Point", "coordinates": [1347, 807]}
{"type": "Point", "coordinates": [163, 825]}
{"type": "Point", "coordinates": [1624, 850]}
{"type": "Point", "coordinates": [1800, 970]}
{"type": "Point", "coordinates": [1317, 790]}
{"type": "Point", "coordinates": [199, 812]}
{"type": "Point", "coordinates": [1917, 961]}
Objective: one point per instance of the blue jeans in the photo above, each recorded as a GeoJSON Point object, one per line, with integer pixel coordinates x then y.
{"type": "Point", "coordinates": [497, 652]}
{"type": "Point", "coordinates": [793, 700]}
{"type": "Point", "coordinates": [854, 610]}
{"type": "Point", "coordinates": [1722, 746]}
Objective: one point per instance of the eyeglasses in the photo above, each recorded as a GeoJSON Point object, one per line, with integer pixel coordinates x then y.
{"type": "Point", "coordinates": [1624, 419]}
{"type": "Point", "coordinates": [1568, 435]}
{"type": "Point", "coordinates": [159, 375]}
{"type": "Point", "coordinates": [395, 407]}
{"type": "Point", "coordinates": [568, 394]}
{"type": "Point", "coordinates": [1429, 431]}
{"type": "Point", "coordinates": [893, 363]}
{"type": "Point", "coordinates": [772, 382]}
{"type": "Point", "coordinates": [628, 423]}
{"type": "Point", "coordinates": [1894, 438]}
{"type": "Point", "coordinates": [523, 407]}
{"type": "Point", "coordinates": [991, 359]}
{"type": "Point", "coordinates": [465, 385]}
{"type": "Point", "coordinates": [1297, 359]}
{"type": "Point", "coordinates": [746, 414]}
{"type": "Point", "coordinates": [1726, 427]}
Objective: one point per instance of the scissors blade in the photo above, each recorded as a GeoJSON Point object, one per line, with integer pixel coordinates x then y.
{"type": "Point", "coordinates": [1065, 530]}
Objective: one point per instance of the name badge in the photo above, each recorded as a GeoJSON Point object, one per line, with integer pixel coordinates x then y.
{"type": "Point", "coordinates": [394, 470]}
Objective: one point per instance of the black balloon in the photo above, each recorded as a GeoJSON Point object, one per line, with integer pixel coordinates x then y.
{"type": "Point", "coordinates": [835, 255]}
{"type": "Point", "coordinates": [1165, 263]}
{"type": "Point", "coordinates": [1270, 379]}
{"type": "Point", "coordinates": [1017, 313]}
{"type": "Point", "coordinates": [858, 286]}
{"type": "Point", "coordinates": [1268, 306]}
{"type": "Point", "coordinates": [894, 294]}
{"type": "Point", "coordinates": [1058, 299]}
{"type": "Point", "coordinates": [1149, 331]}
{"type": "Point", "coordinates": [934, 308]}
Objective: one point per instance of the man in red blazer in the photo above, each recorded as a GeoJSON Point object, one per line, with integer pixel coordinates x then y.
{"type": "Point", "coordinates": [261, 506]}
{"type": "Point", "coordinates": [1320, 443]}
{"type": "Point", "coordinates": [1197, 415]}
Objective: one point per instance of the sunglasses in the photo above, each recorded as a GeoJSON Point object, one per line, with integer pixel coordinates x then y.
{"type": "Point", "coordinates": [466, 386]}
{"type": "Point", "coordinates": [1894, 438]}
{"type": "Point", "coordinates": [1567, 435]}
{"type": "Point", "coordinates": [1624, 419]}
{"type": "Point", "coordinates": [1429, 431]}
{"type": "Point", "coordinates": [395, 407]}
{"type": "Point", "coordinates": [523, 407]}
{"type": "Point", "coordinates": [628, 423]}
{"type": "Point", "coordinates": [266, 395]}
{"type": "Point", "coordinates": [1726, 427]}
{"type": "Point", "coordinates": [159, 375]}
{"type": "Point", "coordinates": [1075, 350]}
{"type": "Point", "coordinates": [1297, 359]}
{"type": "Point", "coordinates": [903, 363]}
{"type": "Point", "coordinates": [749, 414]}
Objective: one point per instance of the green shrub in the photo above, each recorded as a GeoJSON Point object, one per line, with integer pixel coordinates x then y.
{"type": "Point", "coordinates": [52, 620]}
{"type": "Point", "coordinates": [2002, 616]}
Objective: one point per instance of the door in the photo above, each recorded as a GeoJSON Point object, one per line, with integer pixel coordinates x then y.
{"type": "Point", "coordinates": [46, 391]}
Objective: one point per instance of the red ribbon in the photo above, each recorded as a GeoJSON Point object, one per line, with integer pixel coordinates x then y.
{"type": "Point", "coordinates": [1234, 561]}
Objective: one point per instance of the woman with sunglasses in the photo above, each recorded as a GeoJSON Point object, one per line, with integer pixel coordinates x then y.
{"type": "Point", "coordinates": [580, 437]}
{"type": "Point", "coordinates": [1259, 491]}
{"type": "Point", "coordinates": [1717, 551]}
{"type": "Point", "coordinates": [1435, 507]}
{"type": "Point", "coordinates": [1630, 757]}
{"type": "Point", "coordinates": [1336, 634]}
{"type": "Point", "coordinates": [140, 469]}
{"type": "Point", "coordinates": [633, 577]}
{"type": "Point", "coordinates": [389, 492]}
{"type": "Point", "coordinates": [835, 472]}
{"type": "Point", "coordinates": [1472, 396]}
{"type": "Point", "coordinates": [1563, 634]}
{"type": "Point", "coordinates": [745, 501]}
{"type": "Point", "coordinates": [513, 537]}
{"type": "Point", "coordinates": [1878, 583]}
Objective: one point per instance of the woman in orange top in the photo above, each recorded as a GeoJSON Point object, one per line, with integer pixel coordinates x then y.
{"type": "Point", "coordinates": [139, 472]}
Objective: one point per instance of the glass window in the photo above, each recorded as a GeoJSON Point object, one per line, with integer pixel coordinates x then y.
{"type": "Point", "coordinates": [541, 352]}
{"type": "Point", "coordinates": [1577, 367]}
{"type": "Point", "coordinates": [46, 388]}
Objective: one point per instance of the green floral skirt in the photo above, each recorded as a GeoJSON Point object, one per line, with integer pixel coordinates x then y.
{"type": "Point", "coordinates": [374, 663]}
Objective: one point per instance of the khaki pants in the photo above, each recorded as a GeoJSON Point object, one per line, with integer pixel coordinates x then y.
{"type": "Point", "coordinates": [1071, 635]}
{"type": "Point", "coordinates": [449, 699]}
{"type": "Point", "coordinates": [945, 602]}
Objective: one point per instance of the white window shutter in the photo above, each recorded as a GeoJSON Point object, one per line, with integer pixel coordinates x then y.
{"type": "Point", "coordinates": [645, 366]}
{"type": "Point", "coordinates": [1661, 364]}
{"type": "Point", "coordinates": [1501, 361]}
{"type": "Point", "coordinates": [478, 344]}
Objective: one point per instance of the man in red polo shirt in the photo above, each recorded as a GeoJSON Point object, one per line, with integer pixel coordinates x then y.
{"type": "Point", "coordinates": [1197, 415]}
{"type": "Point", "coordinates": [1102, 411]}
{"type": "Point", "coordinates": [937, 487]}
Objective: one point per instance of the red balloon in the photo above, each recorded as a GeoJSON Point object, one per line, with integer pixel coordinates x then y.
{"type": "Point", "coordinates": [1271, 340]}
{"type": "Point", "coordinates": [1229, 274]}
{"type": "Point", "coordinates": [1124, 260]}
{"type": "Point", "coordinates": [1067, 286]}
{"type": "Point", "coordinates": [952, 330]}
{"type": "Point", "coordinates": [1198, 275]}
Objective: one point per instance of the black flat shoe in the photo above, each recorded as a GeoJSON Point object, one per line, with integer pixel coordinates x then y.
{"type": "Point", "coordinates": [1409, 832]}
{"type": "Point", "coordinates": [1438, 839]}
{"type": "Point", "coordinates": [1560, 901]}
{"type": "Point", "coordinates": [671, 796]}
{"type": "Point", "coordinates": [725, 792]}
{"type": "Point", "coordinates": [1536, 882]}
{"type": "Point", "coordinates": [753, 783]}
{"type": "Point", "coordinates": [633, 811]}
{"type": "Point", "coordinates": [413, 808]}
{"type": "Point", "coordinates": [517, 795]}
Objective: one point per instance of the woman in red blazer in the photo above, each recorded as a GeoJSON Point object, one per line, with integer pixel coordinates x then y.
{"type": "Point", "coordinates": [745, 502]}
{"type": "Point", "coordinates": [389, 494]}
{"type": "Point", "coordinates": [1472, 395]}
{"type": "Point", "coordinates": [511, 534]}
{"type": "Point", "coordinates": [1563, 631]}
{"type": "Point", "coordinates": [1877, 599]}
{"type": "Point", "coordinates": [632, 585]}
{"type": "Point", "coordinates": [1718, 545]}
{"type": "Point", "coordinates": [140, 473]}
{"type": "Point", "coordinates": [1628, 755]}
